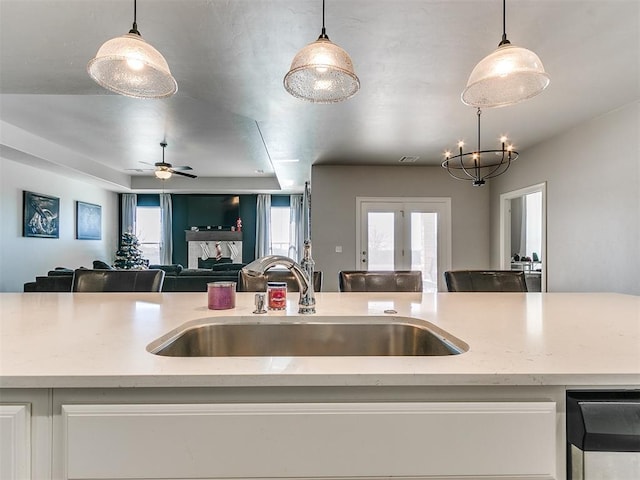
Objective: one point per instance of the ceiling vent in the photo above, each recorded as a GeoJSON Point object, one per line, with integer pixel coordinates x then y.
{"type": "Point", "coordinates": [409, 159]}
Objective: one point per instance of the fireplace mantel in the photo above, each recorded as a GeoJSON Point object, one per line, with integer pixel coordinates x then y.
{"type": "Point", "coordinates": [213, 236]}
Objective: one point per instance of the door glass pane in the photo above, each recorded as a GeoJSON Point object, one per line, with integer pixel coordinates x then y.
{"type": "Point", "coordinates": [380, 244]}
{"type": "Point", "coordinates": [424, 248]}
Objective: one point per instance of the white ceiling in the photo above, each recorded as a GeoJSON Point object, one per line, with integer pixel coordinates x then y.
{"type": "Point", "coordinates": [229, 57]}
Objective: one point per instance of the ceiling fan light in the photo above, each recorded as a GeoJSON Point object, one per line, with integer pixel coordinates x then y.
{"type": "Point", "coordinates": [163, 174]}
{"type": "Point", "coordinates": [129, 66]}
{"type": "Point", "coordinates": [322, 72]}
{"type": "Point", "coordinates": [506, 76]}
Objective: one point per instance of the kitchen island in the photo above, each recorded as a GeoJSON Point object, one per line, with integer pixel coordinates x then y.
{"type": "Point", "coordinates": [76, 372]}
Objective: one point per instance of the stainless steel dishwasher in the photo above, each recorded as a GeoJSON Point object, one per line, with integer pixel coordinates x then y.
{"type": "Point", "coordinates": [603, 435]}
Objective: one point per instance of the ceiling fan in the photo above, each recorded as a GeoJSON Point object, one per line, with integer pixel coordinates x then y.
{"type": "Point", "coordinates": [164, 170]}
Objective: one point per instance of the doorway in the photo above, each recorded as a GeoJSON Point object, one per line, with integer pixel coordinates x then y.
{"type": "Point", "coordinates": [405, 234]}
{"type": "Point", "coordinates": [523, 234]}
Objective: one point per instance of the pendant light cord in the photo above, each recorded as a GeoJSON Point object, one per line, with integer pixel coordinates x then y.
{"type": "Point", "coordinates": [324, 32]}
{"type": "Point", "coordinates": [504, 24]}
{"type": "Point", "coordinates": [134, 30]}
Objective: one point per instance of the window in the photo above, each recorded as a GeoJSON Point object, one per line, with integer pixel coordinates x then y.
{"type": "Point", "coordinates": [280, 240]}
{"type": "Point", "coordinates": [148, 232]}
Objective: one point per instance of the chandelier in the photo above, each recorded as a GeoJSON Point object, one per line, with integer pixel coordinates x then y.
{"type": "Point", "coordinates": [480, 165]}
{"type": "Point", "coordinates": [508, 75]}
{"type": "Point", "coordinates": [322, 72]}
{"type": "Point", "coordinates": [130, 66]}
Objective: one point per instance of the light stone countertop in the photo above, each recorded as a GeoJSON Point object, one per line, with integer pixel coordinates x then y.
{"type": "Point", "coordinates": [57, 340]}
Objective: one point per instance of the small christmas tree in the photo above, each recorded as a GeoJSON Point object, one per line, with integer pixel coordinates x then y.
{"type": "Point", "coordinates": [129, 256]}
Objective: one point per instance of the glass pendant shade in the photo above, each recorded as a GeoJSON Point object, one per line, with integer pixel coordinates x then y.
{"type": "Point", "coordinates": [163, 174]}
{"type": "Point", "coordinates": [322, 72]}
{"type": "Point", "coordinates": [507, 76]}
{"type": "Point", "coordinates": [130, 66]}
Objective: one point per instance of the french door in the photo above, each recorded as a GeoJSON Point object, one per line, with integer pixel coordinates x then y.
{"type": "Point", "coordinates": [405, 234]}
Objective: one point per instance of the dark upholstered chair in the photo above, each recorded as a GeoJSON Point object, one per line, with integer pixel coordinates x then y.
{"type": "Point", "coordinates": [85, 280]}
{"type": "Point", "coordinates": [485, 281]}
{"type": "Point", "coordinates": [380, 281]}
{"type": "Point", "coordinates": [247, 283]}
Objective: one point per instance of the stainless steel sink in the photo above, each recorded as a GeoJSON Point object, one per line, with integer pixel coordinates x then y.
{"type": "Point", "coordinates": [369, 336]}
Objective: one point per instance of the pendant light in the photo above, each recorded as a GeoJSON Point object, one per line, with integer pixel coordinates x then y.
{"type": "Point", "coordinates": [322, 72]}
{"type": "Point", "coordinates": [507, 76]}
{"type": "Point", "coordinates": [130, 66]}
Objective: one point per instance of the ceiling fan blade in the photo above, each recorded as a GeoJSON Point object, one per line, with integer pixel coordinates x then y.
{"type": "Point", "coordinates": [147, 163]}
{"type": "Point", "coordinates": [182, 167]}
{"type": "Point", "coordinates": [184, 174]}
{"type": "Point", "coordinates": [140, 170]}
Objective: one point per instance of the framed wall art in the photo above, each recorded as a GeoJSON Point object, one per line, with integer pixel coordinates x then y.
{"type": "Point", "coordinates": [88, 221]}
{"type": "Point", "coordinates": [40, 215]}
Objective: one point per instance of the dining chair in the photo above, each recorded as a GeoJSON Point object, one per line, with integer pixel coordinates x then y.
{"type": "Point", "coordinates": [380, 281]}
{"type": "Point", "coordinates": [485, 281]}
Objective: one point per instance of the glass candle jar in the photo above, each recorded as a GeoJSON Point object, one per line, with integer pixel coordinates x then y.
{"type": "Point", "coordinates": [277, 295]}
{"type": "Point", "coordinates": [221, 295]}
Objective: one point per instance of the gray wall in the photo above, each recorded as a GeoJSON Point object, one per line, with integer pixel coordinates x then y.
{"type": "Point", "coordinates": [333, 212]}
{"type": "Point", "coordinates": [593, 203]}
{"type": "Point", "coordinates": [22, 258]}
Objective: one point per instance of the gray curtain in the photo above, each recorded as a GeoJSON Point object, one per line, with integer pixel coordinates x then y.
{"type": "Point", "coordinates": [166, 236]}
{"type": "Point", "coordinates": [263, 225]}
{"type": "Point", "coordinates": [129, 204]}
{"type": "Point", "coordinates": [296, 227]}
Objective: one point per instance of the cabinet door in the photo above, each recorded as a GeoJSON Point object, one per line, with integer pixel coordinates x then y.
{"type": "Point", "coordinates": [15, 442]}
{"type": "Point", "coordinates": [334, 440]}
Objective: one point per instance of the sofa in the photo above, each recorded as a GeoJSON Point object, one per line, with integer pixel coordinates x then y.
{"type": "Point", "coordinates": [57, 280]}
{"type": "Point", "coordinates": [180, 279]}
{"type": "Point", "coordinates": [177, 278]}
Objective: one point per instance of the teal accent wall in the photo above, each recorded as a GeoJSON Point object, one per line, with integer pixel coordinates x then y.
{"type": "Point", "coordinates": [191, 210]}
{"type": "Point", "coordinates": [213, 210]}
{"type": "Point", "coordinates": [148, 200]}
{"type": "Point", "coordinates": [248, 214]}
{"type": "Point", "coordinates": [280, 200]}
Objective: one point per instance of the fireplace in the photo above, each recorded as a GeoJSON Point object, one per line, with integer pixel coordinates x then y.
{"type": "Point", "coordinates": [212, 242]}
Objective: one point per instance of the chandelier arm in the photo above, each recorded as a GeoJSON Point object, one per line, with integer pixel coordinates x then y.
{"type": "Point", "coordinates": [495, 172]}
{"type": "Point", "coordinates": [461, 156]}
{"type": "Point", "coordinates": [451, 172]}
{"type": "Point", "coordinates": [464, 169]}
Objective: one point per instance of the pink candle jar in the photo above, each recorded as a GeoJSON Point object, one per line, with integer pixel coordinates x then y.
{"type": "Point", "coordinates": [222, 295]}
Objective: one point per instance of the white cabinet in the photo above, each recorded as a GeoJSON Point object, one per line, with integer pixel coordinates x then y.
{"type": "Point", "coordinates": [309, 440]}
{"type": "Point", "coordinates": [15, 442]}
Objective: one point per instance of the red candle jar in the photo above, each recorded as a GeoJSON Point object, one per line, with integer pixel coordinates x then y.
{"type": "Point", "coordinates": [221, 295]}
{"type": "Point", "coordinates": [277, 295]}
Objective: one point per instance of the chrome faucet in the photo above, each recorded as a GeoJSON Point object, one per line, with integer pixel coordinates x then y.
{"type": "Point", "coordinates": [302, 272]}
